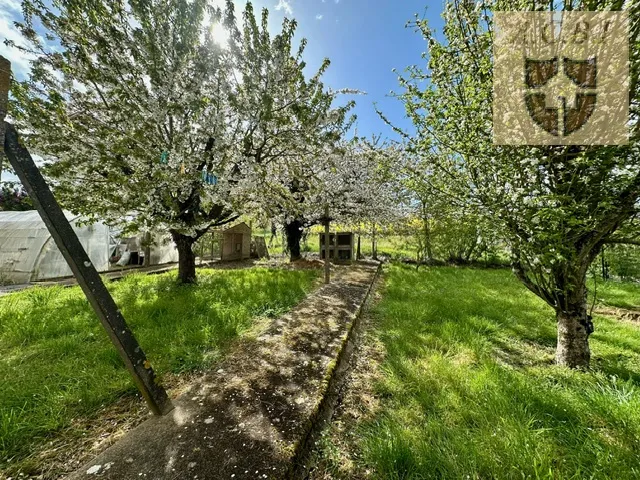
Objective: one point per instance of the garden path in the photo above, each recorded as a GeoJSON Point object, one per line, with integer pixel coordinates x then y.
{"type": "Point", "coordinates": [251, 417]}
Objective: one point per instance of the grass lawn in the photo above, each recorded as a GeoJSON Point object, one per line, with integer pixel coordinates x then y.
{"type": "Point", "coordinates": [464, 386]}
{"type": "Point", "coordinates": [58, 366]}
{"type": "Point", "coordinates": [618, 294]}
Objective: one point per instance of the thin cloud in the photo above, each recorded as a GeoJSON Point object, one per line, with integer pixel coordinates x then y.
{"type": "Point", "coordinates": [319, 17]}
{"type": "Point", "coordinates": [284, 5]}
{"type": "Point", "coordinates": [11, 5]}
{"type": "Point", "coordinates": [20, 61]}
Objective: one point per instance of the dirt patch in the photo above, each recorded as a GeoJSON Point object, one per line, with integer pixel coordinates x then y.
{"type": "Point", "coordinates": [620, 313]}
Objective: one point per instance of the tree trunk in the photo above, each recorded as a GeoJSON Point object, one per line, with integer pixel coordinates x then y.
{"type": "Point", "coordinates": [574, 329]}
{"type": "Point", "coordinates": [147, 249]}
{"type": "Point", "coordinates": [358, 254]}
{"type": "Point", "coordinates": [427, 234]}
{"type": "Point", "coordinates": [186, 257]}
{"type": "Point", "coordinates": [574, 324]}
{"type": "Point", "coordinates": [327, 265]}
{"type": "Point", "coordinates": [605, 266]}
{"type": "Point", "coordinates": [293, 231]}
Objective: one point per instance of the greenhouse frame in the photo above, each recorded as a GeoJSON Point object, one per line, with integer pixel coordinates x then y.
{"type": "Point", "coordinates": [28, 253]}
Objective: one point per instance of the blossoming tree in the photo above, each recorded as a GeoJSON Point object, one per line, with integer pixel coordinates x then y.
{"type": "Point", "coordinates": [145, 119]}
{"type": "Point", "coordinates": [557, 205]}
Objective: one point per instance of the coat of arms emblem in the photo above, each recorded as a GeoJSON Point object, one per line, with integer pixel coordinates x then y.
{"type": "Point", "coordinates": [561, 78]}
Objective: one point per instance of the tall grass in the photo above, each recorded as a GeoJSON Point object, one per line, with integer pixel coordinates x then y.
{"type": "Point", "coordinates": [469, 388]}
{"type": "Point", "coordinates": [57, 363]}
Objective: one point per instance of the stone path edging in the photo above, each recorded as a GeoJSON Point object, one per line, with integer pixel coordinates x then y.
{"type": "Point", "coordinates": [299, 467]}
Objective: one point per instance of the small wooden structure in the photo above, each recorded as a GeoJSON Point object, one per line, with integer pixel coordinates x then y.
{"type": "Point", "coordinates": [236, 242]}
{"type": "Point", "coordinates": [340, 246]}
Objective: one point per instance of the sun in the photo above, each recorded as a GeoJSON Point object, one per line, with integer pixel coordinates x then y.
{"type": "Point", "coordinates": [219, 34]}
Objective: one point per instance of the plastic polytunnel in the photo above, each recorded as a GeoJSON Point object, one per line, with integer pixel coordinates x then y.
{"type": "Point", "coordinates": [28, 253]}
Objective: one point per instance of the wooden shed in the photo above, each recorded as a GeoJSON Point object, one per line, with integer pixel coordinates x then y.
{"type": "Point", "coordinates": [340, 246]}
{"type": "Point", "coordinates": [236, 242]}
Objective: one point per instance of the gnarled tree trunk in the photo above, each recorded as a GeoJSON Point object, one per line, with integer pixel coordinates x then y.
{"type": "Point", "coordinates": [574, 329]}
{"type": "Point", "coordinates": [574, 323]}
{"type": "Point", "coordinates": [569, 300]}
{"type": "Point", "coordinates": [186, 257]}
{"type": "Point", "coordinates": [293, 231]}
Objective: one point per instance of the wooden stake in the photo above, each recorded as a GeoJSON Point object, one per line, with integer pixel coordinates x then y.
{"type": "Point", "coordinates": [81, 266]}
{"type": "Point", "coordinates": [327, 265]}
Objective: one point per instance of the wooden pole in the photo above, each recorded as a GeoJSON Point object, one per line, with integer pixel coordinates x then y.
{"type": "Point", "coordinates": [374, 247]}
{"type": "Point", "coordinates": [327, 265]}
{"type": "Point", "coordinates": [82, 268]}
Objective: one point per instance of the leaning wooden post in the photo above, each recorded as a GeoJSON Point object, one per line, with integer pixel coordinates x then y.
{"type": "Point", "coordinates": [81, 266]}
{"type": "Point", "coordinates": [327, 265]}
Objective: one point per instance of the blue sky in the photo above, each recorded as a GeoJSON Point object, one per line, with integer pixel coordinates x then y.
{"type": "Point", "coordinates": [364, 39]}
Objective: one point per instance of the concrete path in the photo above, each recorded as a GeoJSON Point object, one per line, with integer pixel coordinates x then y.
{"type": "Point", "coordinates": [250, 417]}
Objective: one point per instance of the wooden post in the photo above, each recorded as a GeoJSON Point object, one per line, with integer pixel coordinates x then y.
{"type": "Point", "coordinates": [327, 265]}
{"type": "Point", "coordinates": [5, 84]}
{"type": "Point", "coordinates": [374, 246]}
{"type": "Point", "coordinates": [82, 268]}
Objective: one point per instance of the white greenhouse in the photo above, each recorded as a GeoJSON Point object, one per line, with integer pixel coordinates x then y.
{"type": "Point", "coordinates": [28, 253]}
